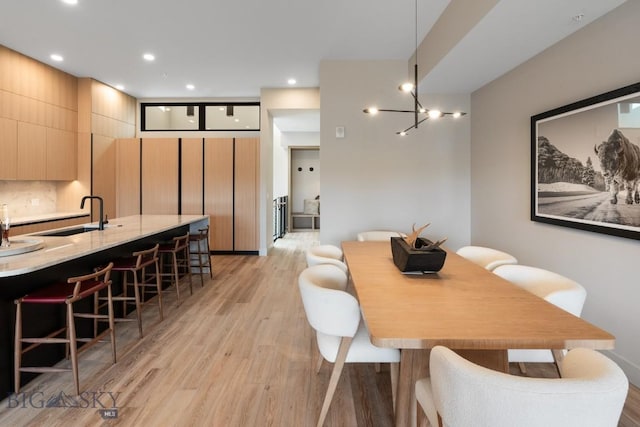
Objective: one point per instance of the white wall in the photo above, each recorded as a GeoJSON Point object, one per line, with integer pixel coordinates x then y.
{"type": "Point", "coordinates": [305, 184]}
{"type": "Point", "coordinates": [281, 143]}
{"type": "Point", "coordinates": [601, 57]}
{"type": "Point", "coordinates": [280, 165]}
{"type": "Point", "coordinates": [375, 179]}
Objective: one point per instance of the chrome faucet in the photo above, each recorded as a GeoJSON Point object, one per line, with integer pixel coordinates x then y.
{"type": "Point", "coordinates": [100, 221]}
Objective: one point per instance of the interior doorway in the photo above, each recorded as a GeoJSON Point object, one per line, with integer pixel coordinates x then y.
{"type": "Point", "coordinates": [293, 128]}
{"type": "Point", "coordinates": [304, 188]}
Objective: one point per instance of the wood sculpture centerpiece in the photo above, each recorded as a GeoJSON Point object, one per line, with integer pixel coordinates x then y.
{"type": "Point", "coordinates": [417, 254]}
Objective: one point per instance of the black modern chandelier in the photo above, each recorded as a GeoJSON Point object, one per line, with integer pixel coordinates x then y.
{"type": "Point", "coordinates": [420, 114]}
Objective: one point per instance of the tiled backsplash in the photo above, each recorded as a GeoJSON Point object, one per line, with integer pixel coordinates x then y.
{"type": "Point", "coordinates": [27, 198]}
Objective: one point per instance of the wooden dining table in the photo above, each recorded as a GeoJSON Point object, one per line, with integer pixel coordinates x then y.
{"type": "Point", "coordinates": [463, 306]}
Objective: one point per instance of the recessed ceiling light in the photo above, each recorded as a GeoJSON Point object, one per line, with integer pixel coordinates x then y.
{"type": "Point", "coordinates": [70, 1]}
{"type": "Point", "coordinates": [292, 81]}
{"type": "Point", "coordinates": [149, 57]}
{"type": "Point", "coordinates": [190, 87]}
{"type": "Point", "coordinates": [56, 57]}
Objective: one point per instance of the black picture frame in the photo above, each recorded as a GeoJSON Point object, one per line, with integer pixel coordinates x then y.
{"type": "Point", "coordinates": [585, 164]}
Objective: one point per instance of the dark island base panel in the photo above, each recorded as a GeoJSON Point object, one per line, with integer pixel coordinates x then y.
{"type": "Point", "coordinates": [42, 319]}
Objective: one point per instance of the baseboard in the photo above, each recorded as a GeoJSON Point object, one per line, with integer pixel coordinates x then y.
{"type": "Point", "coordinates": [630, 369]}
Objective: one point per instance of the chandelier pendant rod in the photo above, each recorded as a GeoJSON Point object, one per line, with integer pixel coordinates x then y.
{"type": "Point", "coordinates": [415, 88]}
{"type": "Point", "coordinates": [415, 69]}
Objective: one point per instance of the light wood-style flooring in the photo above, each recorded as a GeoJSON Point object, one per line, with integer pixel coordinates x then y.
{"type": "Point", "coordinates": [238, 352]}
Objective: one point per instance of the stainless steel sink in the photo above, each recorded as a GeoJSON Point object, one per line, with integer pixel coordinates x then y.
{"type": "Point", "coordinates": [75, 230]}
{"type": "Point", "coordinates": [66, 232]}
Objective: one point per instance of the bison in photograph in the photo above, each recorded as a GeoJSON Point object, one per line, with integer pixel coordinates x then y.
{"type": "Point", "coordinates": [620, 164]}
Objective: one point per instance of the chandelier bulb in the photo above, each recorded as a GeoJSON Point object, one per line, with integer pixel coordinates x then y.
{"type": "Point", "coordinates": [407, 87]}
{"type": "Point", "coordinates": [456, 114]}
{"type": "Point", "coordinates": [371, 110]}
{"type": "Point", "coordinates": [434, 114]}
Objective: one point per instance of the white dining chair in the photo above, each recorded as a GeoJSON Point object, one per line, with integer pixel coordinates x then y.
{"type": "Point", "coordinates": [325, 254]}
{"type": "Point", "coordinates": [341, 333]}
{"type": "Point", "coordinates": [378, 235]}
{"type": "Point", "coordinates": [460, 393]}
{"type": "Point", "coordinates": [488, 258]}
{"type": "Point", "coordinates": [554, 288]}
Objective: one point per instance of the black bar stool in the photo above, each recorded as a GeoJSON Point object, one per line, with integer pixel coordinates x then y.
{"type": "Point", "coordinates": [179, 260]}
{"type": "Point", "coordinates": [201, 256]}
{"type": "Point", "coordinates": [69, 292]}
{"type": "Point", "coordinates": [144, 271]}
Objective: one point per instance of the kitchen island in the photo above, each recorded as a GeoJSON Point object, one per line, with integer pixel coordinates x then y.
{"type": "Point", "coordinates": [63, 256]}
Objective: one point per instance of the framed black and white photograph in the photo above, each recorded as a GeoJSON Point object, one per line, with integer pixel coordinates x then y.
{"type": "Point", "coordinates": [585, 164]}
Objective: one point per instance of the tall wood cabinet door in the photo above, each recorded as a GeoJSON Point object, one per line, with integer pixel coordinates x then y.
{"type": "Point", "coordinates": [192, 195]}
{"type": "Point", "coordinates": [127, 177]}
{"type": "Point", "coordinates": [8, 148]}
{"type": "Point", "coordinates": [218, 191]}
{"type": "Point", "coordinates": [62, 155]}
{"type": "Point", "coordinates": [32, 152]}
{"type": "Point", "coordinates": [104, 177]}
{"type": "Point", "coordinates": [160, 176]}
{"type": "Point", "coordinates": [246, 194]}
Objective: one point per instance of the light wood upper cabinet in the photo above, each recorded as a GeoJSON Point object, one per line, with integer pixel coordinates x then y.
{"type": "Point", "coordinates": [45, 153]}
{"type": "Point", "coordinates": [218, 191]}
{"type": "Point", "coordinates": [62, 154]}
{"type": "Point", "coordinates": [160, 176]}
{"type": "Point", "coordinates": [245, 222]}
{"type": "Point", "coordinates": [32, 152]}
{"type": "Point", "coordinates": [8, 148]}
{"type": "Point", "coordinates": [38, 119]}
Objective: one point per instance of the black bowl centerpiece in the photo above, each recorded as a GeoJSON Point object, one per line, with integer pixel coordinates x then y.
{"type": "Point", "coordinates": [417, 254]}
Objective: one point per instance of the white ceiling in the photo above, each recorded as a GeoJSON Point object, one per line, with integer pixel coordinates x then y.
{"type": "Point", "coordinates": [232, 49]}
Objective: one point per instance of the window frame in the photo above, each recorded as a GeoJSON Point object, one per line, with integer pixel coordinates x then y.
{"type": "Point", "coordinates": [202, 118]}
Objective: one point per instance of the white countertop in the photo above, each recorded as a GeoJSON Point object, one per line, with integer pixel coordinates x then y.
{"type": "Point", "coordinates": [117, 232]}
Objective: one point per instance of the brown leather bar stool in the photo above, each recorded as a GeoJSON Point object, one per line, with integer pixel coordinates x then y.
{"type": "Point", "coordinates": [178, 253]}
{"type": "Point", "coordinates": [69, 292]}
{"type": "Point", "coordinates": [201, 256]}
{"type": "Point", "coordinates": [144, 271]}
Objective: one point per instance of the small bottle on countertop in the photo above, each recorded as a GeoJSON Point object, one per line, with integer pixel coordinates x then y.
{"type": "Point", "coordinates": [5, 224]}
